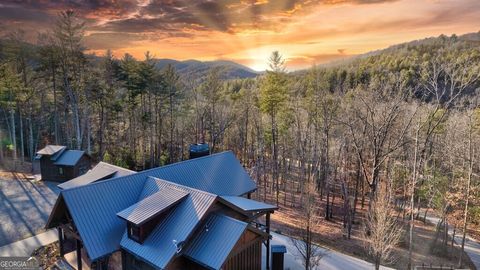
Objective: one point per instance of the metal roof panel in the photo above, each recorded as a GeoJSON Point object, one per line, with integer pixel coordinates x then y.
{"type": "Point", "coordinates": [101, 171]}
{"type": "Point", "coordinates": [278, 249]}
{"type": "Point", "coordinates": [160, 246]}
{"type": "Point", "coordinates": [50, 150]}
{"type": "Point", "coordinates": [93, 209]}
{"type": "Point", "coordinates": [153, 205]}
{"type": "Point", "coordinates": [247, 205]}
{"type": "Point", "coordinates": [220, 174]}
{"type": "Point", "coordinates": [218, 236]}
{"type": "Point", "coordinates": [69, 157]}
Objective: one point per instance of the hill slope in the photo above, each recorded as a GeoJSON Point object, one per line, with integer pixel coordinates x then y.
{"type": "Point", "coordinates": [187, 68]}
{"type": "Point", "coordinates": [469, 39]}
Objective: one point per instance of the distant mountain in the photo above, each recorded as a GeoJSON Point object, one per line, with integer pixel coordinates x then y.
{"type": "Point", "coordinates": [230, 70]}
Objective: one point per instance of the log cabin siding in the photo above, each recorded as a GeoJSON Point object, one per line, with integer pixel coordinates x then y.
{"type": "Point", "coordinates": [247, 253]}
{"type": "Point", "coordinates": [59, 173]}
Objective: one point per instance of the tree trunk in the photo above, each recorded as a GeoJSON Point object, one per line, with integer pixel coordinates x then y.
{"type": "Point", "coordinates": [355, 200]}
{"type": "Point", "coordinates": [418, 207]}
{"type": "Point", "coordinates": [172, 125]}
{"type": "Point", "coordinates": [55, 105]}
{"type": "Point", "coordinates": [412, 201]}
{"type": "Point", "coordinates": [22, 144]}
{"type": "Point", "coordinates": [1, 147]}
{"type": "Point", "coordinates": [76, 123]}
{"type": "Point", "coordinates": [13, 132]}
{"type": "Point", "coordinates": [89, 131]}
{"type": "Point", "coordinates": [467, 195]}
{"type": "Point", "coordinates": [363, 193]}
{"type": "Point", "coordinates": [332, 204]}
{"type": "Point", "coordinates": [76, 113]}
{"type": "Point", "coordinates": [453, 235]}
{"type": "Point", "coordinates": [425, 216]}
{"type": "Point", "coordinates": [327, 206]}
{"type": "Point", "coordinates": [274, 158]}
{"type": "Point", "coordinates": [377, 264]}
{"type": "Point", "coordinates": [30, 139]}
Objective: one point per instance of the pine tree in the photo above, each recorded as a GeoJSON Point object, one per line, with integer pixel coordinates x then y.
{"type": "Point", "coordinates": [273, 95]}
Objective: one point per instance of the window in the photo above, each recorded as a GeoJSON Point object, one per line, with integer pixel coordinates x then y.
{"type": "Point", "coordinates": [60, 170]}
{"type": "Point", "coordinates": [83, 169]}
{"type": "Point", "coordinates": [134, 232]}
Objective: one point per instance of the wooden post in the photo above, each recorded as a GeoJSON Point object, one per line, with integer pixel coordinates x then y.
{"type": "Point", "coordinates": [267, 221]}
{"type": "Point", "coordinates": [124, 259]}
{"type": "Point", "coordinates": [60, 241]}
{"type": "Point", "coordinates": [79, 254]}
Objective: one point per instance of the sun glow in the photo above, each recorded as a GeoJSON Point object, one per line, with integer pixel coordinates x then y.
{"type": "Point", "coordinates": [305, 32]}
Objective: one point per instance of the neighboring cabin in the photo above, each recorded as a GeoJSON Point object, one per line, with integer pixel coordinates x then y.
{"type": "Point", "coordinates": [59, 164]}
{"type": "Point", "coordinates": [194, 214]}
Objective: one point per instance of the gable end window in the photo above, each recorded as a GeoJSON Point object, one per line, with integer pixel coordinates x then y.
{"type": "Point", "coordinates": [134, 233]}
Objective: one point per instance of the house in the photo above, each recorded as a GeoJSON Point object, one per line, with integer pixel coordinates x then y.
{"type": "Point", "coordinates": [59, 164]}
{"type": "Point", "coordinates": [194, 214]}
{"type": "Point", "coordinates": [101, 171]}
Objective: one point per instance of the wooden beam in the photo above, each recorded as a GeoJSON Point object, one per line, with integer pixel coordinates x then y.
{"type": "Point", "coordinates": [79, 254]}
{"type": "Point", "coordinates": [70, 231]}
{"type": "Point", "coordinates": [267, 221]}
{"type": "Point", "coordinates": [60, 241]}
{"type": "Point", "coordinates": [124, 259]}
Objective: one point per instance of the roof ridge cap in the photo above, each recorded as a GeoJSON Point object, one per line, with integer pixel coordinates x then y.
{"type": "Point", "coordinates": [115, 166]}
{"type": "Point", "coordinates": [180, 185]}
{"type": "Point", "coordinates": [189, 160]}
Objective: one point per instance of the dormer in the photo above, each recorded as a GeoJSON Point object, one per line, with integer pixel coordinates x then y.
{"type": "Point", "coordinates": [143, 216]}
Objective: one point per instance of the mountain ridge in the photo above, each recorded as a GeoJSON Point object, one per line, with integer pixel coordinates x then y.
{"type": "Point", "coordinates": [197, 68]}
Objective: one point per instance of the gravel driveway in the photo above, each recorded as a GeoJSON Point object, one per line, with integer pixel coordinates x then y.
{"type": "Point", "coordinates": [24, 208]}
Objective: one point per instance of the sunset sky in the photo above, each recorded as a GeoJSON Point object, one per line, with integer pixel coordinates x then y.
{"type": "Point", "coordinates": [306, 32]}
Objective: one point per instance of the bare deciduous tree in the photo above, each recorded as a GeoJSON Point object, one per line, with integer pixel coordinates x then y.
{"type": "Point", "coordinates": [381, 231]}
{"type": "Point", "coordinates": [309, 219]}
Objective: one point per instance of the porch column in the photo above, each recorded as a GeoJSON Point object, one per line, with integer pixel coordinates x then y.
{"type": "Point", "coordinates": [79, 254]}
{"type": "Point", "coordinates": [267, 221]}
{"type": "Point", "coordinates": [60, 241]}
{"type": "Point", "coordinates": [124, 260]}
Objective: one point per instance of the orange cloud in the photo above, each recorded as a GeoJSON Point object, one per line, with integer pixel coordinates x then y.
{"type": "Point", "coordinates": [247, 31]}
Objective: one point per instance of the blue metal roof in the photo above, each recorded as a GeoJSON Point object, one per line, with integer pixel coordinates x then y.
{"type": "Point", "coordinates": [220, 174]}
{"type": "Point", "coordinates": [57, 154]}
{"type": "Point", "coordinates": [153, 205]}
{"type": "Point", "coordinates": [212, 245]}
{"type": "Point", "coordinates": [159, 248]}
{"type": "Point", "coordinates": [93, 209]}
{"type": "Point", "coordinates": [101, 171]}
{"type": "Point", "coordinates": [247, 205]}
{"type": "Point", "coordinates": [199, 147]}
{"type": "Point", "coordinates": [69, 157]}
{"type": "Point", "coordinates": [278, 249]}
{"type": "Point", "coordinates": [87, 178]}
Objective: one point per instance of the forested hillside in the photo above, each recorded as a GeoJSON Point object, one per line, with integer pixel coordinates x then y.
{"type": "Point", "coordinates": [194, 68]}
{"type": "Point", "coordinates": [399, 125]}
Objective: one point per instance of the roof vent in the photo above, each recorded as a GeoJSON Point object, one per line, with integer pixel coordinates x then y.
{"type": "Point", "coordinates": [178, 245]}
{"type": "Point", "coordinates": [199, 150]}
